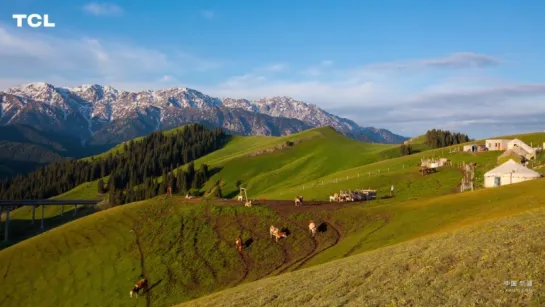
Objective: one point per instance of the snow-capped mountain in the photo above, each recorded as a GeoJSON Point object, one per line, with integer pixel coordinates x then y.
{"type": "Point", "coordinates": [314, 116]}
{"type": "Point", "coordinates": [104, 115]}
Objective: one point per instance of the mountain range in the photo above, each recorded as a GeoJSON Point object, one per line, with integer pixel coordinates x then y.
{"type": "Point", "coordinates": [101, 115]}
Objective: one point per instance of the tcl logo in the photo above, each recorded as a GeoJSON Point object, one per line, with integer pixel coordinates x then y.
{"type": "Point", "coordinates": [33, 20]}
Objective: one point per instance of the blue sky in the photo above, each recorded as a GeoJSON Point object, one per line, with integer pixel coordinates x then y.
{"type": "Point", "coordinates": [408, 66]}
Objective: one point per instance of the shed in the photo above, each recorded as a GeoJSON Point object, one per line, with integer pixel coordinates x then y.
{"type": "Point", "coordinates": [497, 144]}
{"type": "Point", "coordinates": [508, 173]}
{"type": "Point", "coordinates": [470, 148]}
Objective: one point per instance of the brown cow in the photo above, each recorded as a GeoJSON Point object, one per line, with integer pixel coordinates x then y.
{"type": "Point", "coordinates": [141, 284]}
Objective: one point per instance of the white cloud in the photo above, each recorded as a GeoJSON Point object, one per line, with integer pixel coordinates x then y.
{"type": "Point", "coordinates": [457, 60]}
{"type": "Point", "coordinates": [30, 56]}
{"type": "Point", "coordinates": [257, 86]}
{"type": "Point", "coordinates": [278, 67]}
{"type": "Point", "coordinates": [102, 9]}
{"type": "Point", "coordinates": [208, 14]}
{"type": "Point", "coordinates": [317, 70]}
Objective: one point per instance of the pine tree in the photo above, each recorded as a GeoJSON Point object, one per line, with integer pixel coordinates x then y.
{"type": "Point", "coordinates": [101, 186]}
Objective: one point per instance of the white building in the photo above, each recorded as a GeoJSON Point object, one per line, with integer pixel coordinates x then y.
{"type": "Point", "coordinates": [508, 173]}
{"type": "Point", "coordinates": [470, 148]}
{"type": "Point", "coordinates": [497, 144]}
{"type": "Point", "coordinates": [516, 143]}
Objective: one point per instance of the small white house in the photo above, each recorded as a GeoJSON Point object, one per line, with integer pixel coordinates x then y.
{"type": "Point", "coordinates": [497, 144]}
{"type": "Point", "coordinates": [470, 148]}
{"type": "Point", "coordinates": [516, 143]}
{"type": "Point", "coordinates": [508, 173]}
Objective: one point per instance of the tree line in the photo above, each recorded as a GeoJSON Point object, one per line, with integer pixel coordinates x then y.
{"type": "Point", "coordinates": [437, 138]}
{"type": "Point", "coordinates": [405, 150]}
{"type": "Point", "coordinates": [132, 173]}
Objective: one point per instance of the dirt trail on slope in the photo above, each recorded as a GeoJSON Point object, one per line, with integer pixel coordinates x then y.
{"type": "Point", "coordinates": [286, 256]}
{"type": "Point", "coordinates": [243, 257]}
{"type": "Point", "coordinates": [337, 239]}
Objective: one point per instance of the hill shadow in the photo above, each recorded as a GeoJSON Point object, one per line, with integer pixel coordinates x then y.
{"type": "Point", "coordinates": [23, 229]}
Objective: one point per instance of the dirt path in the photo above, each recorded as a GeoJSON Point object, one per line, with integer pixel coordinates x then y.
{"type": "Point", "coordinates": [314, 243]}
{"type": "Point", "coordinates": [337, 239]}
{"type": "Point", "coordinates": [136, 232]}
{"type": "Point", "coordinates": [286, 257]}
{"type": "Point", "coordinates": [243, 257]}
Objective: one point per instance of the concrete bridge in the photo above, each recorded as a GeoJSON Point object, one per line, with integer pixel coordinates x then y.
{"type": "Point", "coordinates": [7, 205]}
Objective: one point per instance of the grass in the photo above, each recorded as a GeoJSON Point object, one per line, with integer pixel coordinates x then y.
{"type": "Point", "coordinates": [187, 249]}
{"type": "Point", "coordinates": [320, 152]}
{"type": "Point", "coordinates": [463, 267]}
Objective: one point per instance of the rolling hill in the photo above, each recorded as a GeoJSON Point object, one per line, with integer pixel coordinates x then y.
{"type": "Point", "coordinates": [186, 248]}
{"type": "Point", "coordinates": [282, 177]}
{"type": "Point", "coordinates": [462, 267]}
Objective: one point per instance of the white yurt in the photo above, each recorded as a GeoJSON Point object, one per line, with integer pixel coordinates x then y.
{"type": "Point", "coordinates": [508, 173]}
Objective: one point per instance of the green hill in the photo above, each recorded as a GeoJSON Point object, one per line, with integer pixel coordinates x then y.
{"type": "Point", "coordinates": [463, 267]}
{"type": "Point", "coordinates": [279, 165]}
{"type": "Point", "coordinates": [187, 249]}
{"type": "Point", "coordinates": [319, 163]}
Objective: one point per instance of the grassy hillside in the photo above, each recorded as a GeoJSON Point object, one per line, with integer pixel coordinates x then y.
{"type": "Point", "coordinates": [464, 267]}
{"type": "Point", "coordinates": [187, 249]}
{"type": "Point", "coordinates": [319, 152]}
{"type": "Point", "coordinates": [260, 161]}
{"type": "Point", "coordinates": [319, 163]}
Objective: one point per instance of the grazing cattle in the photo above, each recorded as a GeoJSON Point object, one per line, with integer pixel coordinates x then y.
{"type": "Point", "coordinates": [248, 203]}
{"type": "Point", "coordinates": [279, 234]}
{"type": "Point", "coordinates": [332, 198]}
{"type": "Point", "coordinates": [141, 284]}
{"type": "Point", "coordinates": [273, 230]}
{"type": "Point", "coordinates": [238, 244]}
{"type": "Point", "coordinates": [298, 200]}
{"type": "Point", "coordinates": [312, 228]}
{"type": "Point", "coordinates": [240, 198]}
